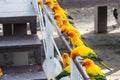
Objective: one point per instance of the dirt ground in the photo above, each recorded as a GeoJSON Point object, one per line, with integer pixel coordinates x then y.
{"type": "Point", "coordinates": [106, 45]}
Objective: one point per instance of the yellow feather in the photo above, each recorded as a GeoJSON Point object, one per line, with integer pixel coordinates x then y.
{"type": "Point", "coordinates": [58, 9]}
{"type": "Point", "coordinates": [66, 22]}
{"type": "Point", "coordinates": [67, 69]}
{"type": "Point", "coordinates": [50, 3]}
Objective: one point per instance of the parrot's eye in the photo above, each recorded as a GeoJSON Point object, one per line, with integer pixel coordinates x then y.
{"type": "Point", "coordinates": [54, 17]}
{"type": "Point", "coordinates": [83, 64]}
{"type": "Point", "coordinates": [65, 56]}
{"type": "Point", "coordinates": [70, 34]}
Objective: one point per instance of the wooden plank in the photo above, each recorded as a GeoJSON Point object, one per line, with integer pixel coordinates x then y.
{"type": "Point", "coordinates": [86, 3]}
{"type": "Point", "coordinates": [15, 1]}
{"type": "Point", "coordinates": [19, 41]}
{"type": "Point", "coordinates": [101, 19]}
{"type": "Point", "coordinates": [16, 19]}
{"type": "Point", "coordinates": [12, 8]}
{"type": "Point", "coordinates": [29, 72]}
{"type": "Point", "coordinates": [16, 8]}
{"type": "Point", "coordinates": [22, 43]}
{"type": "Point", "coordinates": [20, 69]}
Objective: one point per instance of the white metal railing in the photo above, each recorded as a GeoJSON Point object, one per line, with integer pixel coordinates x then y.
{"type": "Point", "coordinates": [51, 65]}
{"type": "Point", "coordinates": [78, 65]}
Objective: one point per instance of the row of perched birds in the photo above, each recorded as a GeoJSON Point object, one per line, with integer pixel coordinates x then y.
{"type": "Point", "coordinates": [80, 48]}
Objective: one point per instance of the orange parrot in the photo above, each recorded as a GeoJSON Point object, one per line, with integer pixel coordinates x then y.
{"type": "Point", "coordinates": [94, 71]}
{"type": "Point", "coordinates": [40, 3]}
{"type": "Point", "coordinates": [50, 3]}
{"type": "Point", "coordinates": [86, 52]}
{"type": "Point", "coordinates": [75, 40]}
{"type": "Point", "coordinates": [67, 23]}
{"type": "Point", "coordinates": [58, 9]}
{"type": "Point", "coordinates": [66, 59]}
{"type": "Point", "coordinates": [59, 19]}
{"type": "Point", "coordinates": [66, 30]}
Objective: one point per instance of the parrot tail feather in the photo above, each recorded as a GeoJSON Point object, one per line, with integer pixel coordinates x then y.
{"type": "Point", "coordinates": [100, 61]}
{"type": "Point", "coordinates": [104, 65]}
{"type": "Point", "coordinates": [70, 17]}
{"type": "Point", "coordinates": [62, 74]}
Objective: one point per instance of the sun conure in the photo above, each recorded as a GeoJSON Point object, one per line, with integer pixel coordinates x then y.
{"type": "Point", "coordinates": [87, 52]}
{"type": "Point", "coordinates": [93, 70]}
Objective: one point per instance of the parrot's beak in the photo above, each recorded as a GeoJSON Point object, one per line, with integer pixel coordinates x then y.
{"type": "Point", "coordinates": [69, 34]}
{"type": "Point", "coordinates": [62, 31]}
{"type": "Point", "coordinates": [54, 17]}
{"type": "Point", "coordinates": [83, 64]}
{"type": "Point", "coordinates": [47, 3]}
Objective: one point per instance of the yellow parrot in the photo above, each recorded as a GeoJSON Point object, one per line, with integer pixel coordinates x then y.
{"type": "Point", "coordinates": [40, 3]}
{"type": "Point", "coordinates": [50, 3]}
{"type": "Point", "coordinates": [66, 30]}
{"type": "Point", "coordinates": [64, 73]}
{"type": "Point", "coordinates": [94, 71]}
{"type": "Point", "coordinates": [87, 52]}
{"type": "Point", "coordinates": [67, 23]}
{"type": "Point", "coordinates": [65, 59]}
{"type": "Point", "coordinates": [75, 40]}
{"type": "Point", "coordinates": [59, 19]}
{"type": "Point", "coordinates": [1, 73]}
{"type": "Point", "coordinates": [58, 9]}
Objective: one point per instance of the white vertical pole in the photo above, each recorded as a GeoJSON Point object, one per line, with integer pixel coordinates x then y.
{"type": "Point", "coordinates": [49, 34]}
{"type": "Point", "coordinates": [50, 49]}
{"type": "Point", "coordinates": [75, 74]}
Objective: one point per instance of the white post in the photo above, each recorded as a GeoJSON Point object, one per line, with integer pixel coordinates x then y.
{"type": "Point", "coordinates": [49, 34]}
{"type": "Point", "coordinates": [75, 74]}
{"type": "Point", "coordinates": [49, 62]}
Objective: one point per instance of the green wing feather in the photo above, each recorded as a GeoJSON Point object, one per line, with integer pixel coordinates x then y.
{"type": "Point", "coordinates": [97, 76]}
{"type": "Point", "coordinates": [62, 74]}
